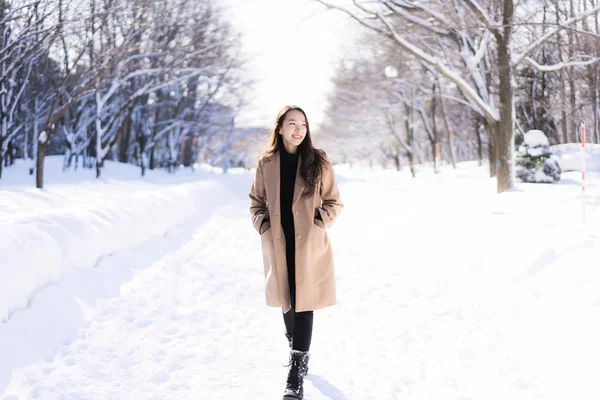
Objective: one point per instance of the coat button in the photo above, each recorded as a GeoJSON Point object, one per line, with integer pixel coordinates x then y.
{"type": "Point", "coordinates": [299, 236]}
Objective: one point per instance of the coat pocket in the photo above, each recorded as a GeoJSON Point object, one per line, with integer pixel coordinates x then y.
{"type": "Point", "coordinates": [265, 227]}
{"type": "Point", "coordinates": [268, 251]}
{"type": "Point", "coordinates": [319, 223]}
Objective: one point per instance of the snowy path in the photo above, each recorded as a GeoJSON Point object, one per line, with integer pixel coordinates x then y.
{"type": "Point", "coordinates": [427, 309]}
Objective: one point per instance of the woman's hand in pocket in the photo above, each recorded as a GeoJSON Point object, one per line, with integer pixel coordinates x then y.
{"type": "Point", "coordinates": [319, 223]}
{"type": "Point", "coordinates": [265, 226]}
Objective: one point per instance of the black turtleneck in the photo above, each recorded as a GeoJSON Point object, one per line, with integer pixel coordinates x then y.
{"type": "Point", "coordinates": [288, 168]}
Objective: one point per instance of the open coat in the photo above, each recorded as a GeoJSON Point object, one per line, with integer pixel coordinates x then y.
{"type": "Point", "coordinates": [315, 276]}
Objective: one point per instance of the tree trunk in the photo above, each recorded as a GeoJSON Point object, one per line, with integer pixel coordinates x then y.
{"type": "Point", "coordinates": [99, 165]}
{"type": "Point", "coordinates": [138, 153]}
{"type": "Point", "coordinates": [572, 105]}
{"type": "Point", "coordinates": [1, 155]}
{"type": "Point", "coordinates": [125, 139]}
{"type": "Point", "coordinates": [477, 122]}
{"type": "Point", "coordinates": [182, 150]}
{"type": "Point", "coordinates": [26, 144]}
{"type": "Point", "coordinates": [479, 146]}
{"type": "Point", "coordinates": [564, 117]}
{"type": "Point", "coordinates": [571, 77]}
{"type": "Point", "coordinates": [448, 130]}
{"type": "Point", "coordinates": [492, 156]}
{"type": "Point", "coordinates": [34, 139]}
{"type": "Point", "coordinates": [10, 154]}
{"type": "Point", "coordinates": [504, 133]}
{"type": "Point", "coordinates": [39, 170]}
{"type": "Point", "coordinates": [596, 106]}
{"type": "Point", "coordinates": [468, 150]}
{"type": "Point", "coordinates": [596, 92]}
{"type": "Point", "coordinates": [563, 88]}
{"type": "Point", "coordinates": [436, 140]}
{"type": "Point", "coordinates": [410, 134]}
{"type": "Point", "coordinates": [67, 158]}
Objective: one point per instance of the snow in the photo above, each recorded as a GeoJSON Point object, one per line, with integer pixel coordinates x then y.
{"type": "Point", "coordinates": [45, 234]}
{"type": "Point", "coordinates": [446, 289]}
{"type": "Point", "coordinates": [43, 137]}
{"type": "Point", "coordinates": [535, 143]}
{"type": "Point", "coordinates": [390, 71]}
{"type": "Point", "coordinates": [541, 177]}
{"type": "Point", "coordinates": [560, 65]}
{"type": "Point", "coordinates": [570, 156]}
{"type": "Point", "coordinates": [536, 138]}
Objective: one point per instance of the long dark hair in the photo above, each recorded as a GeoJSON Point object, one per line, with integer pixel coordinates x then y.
{"type": "Point", "coordinates": [312, 159]}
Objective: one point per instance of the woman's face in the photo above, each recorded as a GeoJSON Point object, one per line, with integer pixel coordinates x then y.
{"type": "Point", "coordinates": [293, 130]}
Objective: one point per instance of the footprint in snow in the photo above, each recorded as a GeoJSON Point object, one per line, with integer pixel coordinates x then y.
{"type": "Point", "coordinates": [161, 376]}
{"type": "Point", "coordinates": [143, 323]}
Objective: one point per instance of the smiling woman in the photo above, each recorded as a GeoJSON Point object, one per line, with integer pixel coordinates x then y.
{"type": "Point", "coordinates": [293, 130]}
{"type": "Point", "coordinates": [294, 198]}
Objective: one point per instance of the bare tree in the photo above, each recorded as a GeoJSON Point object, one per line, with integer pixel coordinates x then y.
{"type": "Point", "coordinates": [469, 27]}
{"type": "Point", "coordinates": [136, 72]}
{"type": "Point", "coordinates": [21, 37]}
{"type": "Point", "coordinates": [131, 80]}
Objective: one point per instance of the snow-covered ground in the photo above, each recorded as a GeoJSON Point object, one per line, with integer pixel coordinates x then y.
{"type": "Point", "coordinates": [79, 220]}
{"type": "Point", "coordinates": [153, 289]}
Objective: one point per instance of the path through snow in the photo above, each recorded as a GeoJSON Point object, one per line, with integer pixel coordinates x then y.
{"type": "Point", "coordinates": [428, 308]}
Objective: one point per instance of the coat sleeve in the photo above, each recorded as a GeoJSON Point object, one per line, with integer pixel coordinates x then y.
{"type": "Point", "coordinates": [258, 199]}
{"type": "Point", "coordinates": [332, 205]}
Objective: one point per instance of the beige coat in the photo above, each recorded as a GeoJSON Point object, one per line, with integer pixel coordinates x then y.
{"type": "Point", "coordinates": [315, 277]}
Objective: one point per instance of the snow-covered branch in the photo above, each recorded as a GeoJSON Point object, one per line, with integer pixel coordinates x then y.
{"type": "Point", "coordinates": [445, 70]}
{"type": "Point", "coordinates": [482, 16]}
{"type": "Point", "coordinates": [542, 39]}
{"type": "Point", "coordinates": [419, 5]}
{"type": "Point", "coordinates": [429, 25]}
{"type": "Point", "coordinates": [355, 17]}
{"type": "Point", "coordinates": [482, 49]}
{"type": "Point", "coordinates": [560, 65]}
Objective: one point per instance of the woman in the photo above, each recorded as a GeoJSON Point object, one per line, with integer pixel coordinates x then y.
{"type": "Point", "coordinates": [294, 197]}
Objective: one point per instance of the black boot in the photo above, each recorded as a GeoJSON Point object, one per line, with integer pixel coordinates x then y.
{"type": "Point", "coordinates": [298, 366]}
{"type": "Point", "coordinates": [290, 340]}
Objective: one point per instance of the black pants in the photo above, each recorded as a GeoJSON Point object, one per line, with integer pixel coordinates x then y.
{"type": "Point", "coordinates": [297, 324]}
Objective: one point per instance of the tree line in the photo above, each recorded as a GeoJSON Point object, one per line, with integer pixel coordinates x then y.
{"type": "Point", "coordinates": [465, 79]}
{"type": "Point", "coordinates": [156, 83]}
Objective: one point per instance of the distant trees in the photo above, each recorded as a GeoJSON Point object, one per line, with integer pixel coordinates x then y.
{"type": "Point", "coordinates": [134, 81]}
{"type": "Point", "coordinates": [486, 67]}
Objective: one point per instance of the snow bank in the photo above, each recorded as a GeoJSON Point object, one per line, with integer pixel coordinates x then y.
{"type": "Point", "coordinates": [569, 156]}
{"type": "Point", "coordinates": [44, 234]}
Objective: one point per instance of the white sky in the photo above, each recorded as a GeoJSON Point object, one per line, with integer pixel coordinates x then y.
{"type": "Point", "coordinates": [294, 46]}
